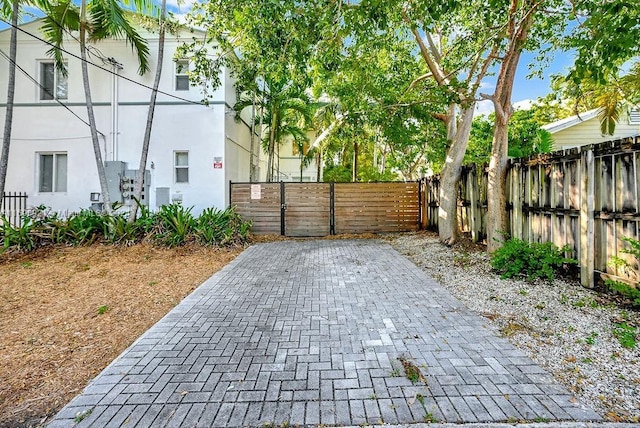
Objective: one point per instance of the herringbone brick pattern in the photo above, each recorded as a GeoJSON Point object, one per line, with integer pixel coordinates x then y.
{"type": "Point", "coordinates": [310, 333]}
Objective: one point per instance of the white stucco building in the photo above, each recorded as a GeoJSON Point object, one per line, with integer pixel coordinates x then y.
{"type": "Point", "coordinates": [195, 149]}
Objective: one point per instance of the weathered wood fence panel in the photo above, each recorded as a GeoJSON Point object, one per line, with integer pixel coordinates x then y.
{"type": "Point", "coordinates": [586, 198]}
{"type": "Point", "coordinates": [320, 209]}
{"type": "Point", "coordinates": [376, 207]}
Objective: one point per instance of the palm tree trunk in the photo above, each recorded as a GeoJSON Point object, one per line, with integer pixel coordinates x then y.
{"type": "Point", "coordinates": [102, 176]}
{"type": "Point", "coordinates": [144, 154]}
{"type": "Point", "coordinates": [272, 145]}
{"type": "Point", "coordinates": [11, 89]}
{"type": "Point", "coordinates": [252, 147]}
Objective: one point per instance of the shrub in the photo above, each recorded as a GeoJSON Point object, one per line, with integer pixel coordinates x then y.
{"type": "Point", "coordinates": [215, 227]}
{"type": "Point", "coordinates": [530, 259]}
{"type": "Point", "coordinates": [173, 226]}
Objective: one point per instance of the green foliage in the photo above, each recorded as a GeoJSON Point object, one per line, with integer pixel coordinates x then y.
{"type": "Point", "coordinates": [215, 227]}
{"type": "Point", "coordinates": [626, 334]}
{"type": "Point", "coordinates": [337, 173]}
{"type": "Point", "coordinates": [631, 293]}
{"type": "Point", "coordinates": [172, 226]}
{"type": "Point", "coordinates": [518, 258]}
{"type": "Point", "coordinates": [102, 309]}
{"type": "Point", "coordinates": [526, 137]}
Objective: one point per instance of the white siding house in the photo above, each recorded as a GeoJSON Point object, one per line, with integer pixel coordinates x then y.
{"type": "Point", "coordinates": [195, 149]}
{"type": "Point", "coordinates": [584, 129]}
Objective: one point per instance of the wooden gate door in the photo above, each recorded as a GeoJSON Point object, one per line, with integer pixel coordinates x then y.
{"type": "Point", "coordinates": [307, 209]}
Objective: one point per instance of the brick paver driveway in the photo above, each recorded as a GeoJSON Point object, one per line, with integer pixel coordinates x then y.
{"type": "Point", "coordinates": [310, 333]}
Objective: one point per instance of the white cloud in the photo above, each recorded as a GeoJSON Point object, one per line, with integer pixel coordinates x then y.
{"type": "Point", "coordinates": [523, 104]}
{"type": "Point", "coordinates": [180, 6]}
{"type": "Point", "coordinates": [483, 108]}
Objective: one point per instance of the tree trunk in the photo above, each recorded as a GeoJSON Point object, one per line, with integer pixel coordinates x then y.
{"type": "Point", "coordinates": [354, 177]}
{"type": "Point", "coordinates": [448, 230]}
{"type": "Point", "coordinates": [11, 89]}
{"type": "Point", "coordinates": [144, 154]}
{"type": "Point", "coordinates": [496, 193]}
{"type": "Point", "coordinates": [319, 166]}
{"type": "Point", "coordinates": [271, 148]}
{"type": "Point", "coordinates": [106, 200]}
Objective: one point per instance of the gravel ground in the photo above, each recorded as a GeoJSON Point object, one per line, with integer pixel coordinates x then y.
{"type": "Point", "coordinates": [563, 326]}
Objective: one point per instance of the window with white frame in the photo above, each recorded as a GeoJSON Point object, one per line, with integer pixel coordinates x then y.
{"type": "Point", "coordinates": [53, 83]}
{"type": "Point", "coordinates": [181, 167]}
{"type": "Point", "coordinates": [634, 115]}
{"type": "Point", "coordinates": [182, 75]}
{"type": "Point", "coordinates": [52, 172]}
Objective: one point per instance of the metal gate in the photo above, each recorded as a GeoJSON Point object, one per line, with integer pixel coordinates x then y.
{"type": "Point", "coordinates": [321, 209]}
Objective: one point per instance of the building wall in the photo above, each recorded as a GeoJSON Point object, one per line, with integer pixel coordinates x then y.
{"type": "Point", "coordinates": [179, 124]}
{"type": "Point", "coordinates": [588, 132]}
{"type": "Point", "coordinates": [290, 163]}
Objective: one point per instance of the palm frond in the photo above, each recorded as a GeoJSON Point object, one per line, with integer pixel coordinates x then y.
{"type": "Point", "coordinates": [60, 18]}
{"type": "Point", "coordinates": [609, 113]}
{"type": "Point", "coordinates": [109, 19]}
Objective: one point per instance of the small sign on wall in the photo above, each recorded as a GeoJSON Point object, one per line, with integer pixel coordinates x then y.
{"type": "Point", "coordinates": [217, 163]}
{"type": "Point", "coordinates": [256, 191]}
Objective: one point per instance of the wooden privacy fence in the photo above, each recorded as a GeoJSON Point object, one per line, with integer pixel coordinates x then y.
{"type": "Point", "coordinates": [587, 198]}
{"type": "Point", "coordinates": [320, 209]}
{"type": "Point", "coordinates": [12, 206]}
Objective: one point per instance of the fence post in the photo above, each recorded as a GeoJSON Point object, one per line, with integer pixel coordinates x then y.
{"type": "Point", "coordinates": [587, 206]}
{"type": "Point", "coordinates": [332, 208]}
{"type": "Point", "coordinates": [283, 207]}
{"type": "Point", "coordinates": [516, 200]}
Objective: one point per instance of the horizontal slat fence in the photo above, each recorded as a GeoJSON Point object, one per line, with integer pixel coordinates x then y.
{"type": "Point", "coordinates": [320, 209]}
{"type": "Point", "coordinates": [587, 198]}
{"type": "Point", "coordinates": [13, 206]}
{"type": "Point", "coordinates": [262, 207]}
{"type": "Point", "coordinates": [308, 209]}
{"type": "Point", "coordinates": [376, 207]}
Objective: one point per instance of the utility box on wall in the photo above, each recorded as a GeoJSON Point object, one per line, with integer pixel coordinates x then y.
{"type": "Point", "coordinates": [121, 182]}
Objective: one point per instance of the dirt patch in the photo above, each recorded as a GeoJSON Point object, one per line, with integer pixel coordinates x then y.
{"type": "Point", "coordinates": [65, 313]}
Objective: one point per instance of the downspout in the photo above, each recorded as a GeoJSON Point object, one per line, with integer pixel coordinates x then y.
{"type": "Point", "coordinates": [117, 67]}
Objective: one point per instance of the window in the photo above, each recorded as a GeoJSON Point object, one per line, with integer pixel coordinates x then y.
{"type": "Point", "coordinates": [52, 172]}
{"type": "Point", "coordinates": [53, 84]}
{"type": "Point", "coordinates": [181, 160]}
{"type": "Point", "coordinates": [634, 115]}
{"type": "Point", "coordinates": [182, 76]}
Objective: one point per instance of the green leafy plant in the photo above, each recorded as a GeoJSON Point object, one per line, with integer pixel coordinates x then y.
{"type": "Point", "coordinates": [631, 293]}
{"type": "Point", "coordinates": [102, 309]}
{"type": "Point", "coordinates": [117, 230]}
{"type": "Point", "coordinates": [518, 258]}
{"type": "Point", "coordinates": [626, 334]}
{"type": "Point", "coordinates": [174, 224]}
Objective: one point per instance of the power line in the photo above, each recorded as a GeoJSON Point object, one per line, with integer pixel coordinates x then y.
{"type": "Point", "coordinates": [99, 66]}
{"type": "Point", "coordinates": [44, 89]}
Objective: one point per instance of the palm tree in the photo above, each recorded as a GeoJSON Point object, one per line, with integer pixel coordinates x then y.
{"type": "Point", "coordinates": [287, 111]}
{"type": "Point", "coordinates": [139, 183]}
{"type": "Point", "coordinates": [9, 10]}
{"type": "Point", "coordinates": [97, 20]}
